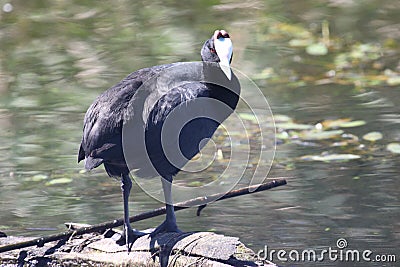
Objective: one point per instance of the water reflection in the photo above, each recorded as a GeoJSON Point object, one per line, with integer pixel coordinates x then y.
{"type": "Point", "coordinates": [56, 57]}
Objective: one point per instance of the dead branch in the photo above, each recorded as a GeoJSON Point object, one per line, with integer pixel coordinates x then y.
{"type": "Point", "coordinates": [201, 202]}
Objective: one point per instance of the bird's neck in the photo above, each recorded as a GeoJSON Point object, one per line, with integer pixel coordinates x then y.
{"type": "Point", "coordinates": [221, 88]}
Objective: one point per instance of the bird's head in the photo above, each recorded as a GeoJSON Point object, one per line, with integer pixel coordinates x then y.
{"type": "Point", "coordinates": [219, 49]}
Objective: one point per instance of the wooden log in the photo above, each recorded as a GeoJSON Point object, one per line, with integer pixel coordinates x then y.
{"type": "Point", "coordinates": [167, 249]}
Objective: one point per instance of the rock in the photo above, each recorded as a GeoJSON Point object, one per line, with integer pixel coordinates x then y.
{"type": "Point", "coordinates": [172, 249]}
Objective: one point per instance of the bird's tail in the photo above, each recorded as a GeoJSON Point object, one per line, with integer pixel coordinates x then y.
{"type": "Point", "coordinates": [91, 163]}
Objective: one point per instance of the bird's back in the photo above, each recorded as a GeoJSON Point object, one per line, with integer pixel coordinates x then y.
{"type": "Point", "coordinates": [103, 122]}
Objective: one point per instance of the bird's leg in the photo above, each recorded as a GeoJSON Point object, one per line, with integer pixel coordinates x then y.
{"type": "Point", "coordinates": [169, 225]}
{"type": "Point", "coordinates": [129, 234]}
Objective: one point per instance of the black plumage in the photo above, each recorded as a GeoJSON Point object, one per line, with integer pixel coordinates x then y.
{"type": "Point", "coordinates": [123, 128]}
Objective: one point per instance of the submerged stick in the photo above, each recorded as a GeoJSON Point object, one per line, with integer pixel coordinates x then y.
{"type": "Point", "coordinates": [200, 201]}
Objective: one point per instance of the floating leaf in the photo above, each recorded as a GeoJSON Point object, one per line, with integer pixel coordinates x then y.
{"type": "Point", "coordinates": [195, 184]}
{"type": "Point", "coordinates": [59, 181]}
{"type": "Point", "coordinates": [319, 135]}
{"type": "Point", "coordinates": [248, 117]}
{"type": "Point", "coordinates": [296, 31]}
{"type": "Point", "coordinates": [393, 80]}
{"type": "Point", "coordinates": [265, 74]}
{"type": "Point", "coordinates": [372, 136]}
{"type": "Point", "coordinates": [293, 126]}
{"type": "Point", "coordinates": [299, 42]}
{"type": "Point", "coordinates": [305, 143]}
{"type": "Point", "coordinates": [318, 49]}
{"type": "Point", "coordinates": [281, 118]}
{"type": "Point", "coordinates": [351, 124]}
{"type": "Point", "coordinates": [394, 148]}
{"type": "Point", "coordinates": [38, 177]}
{"type": "Point", "coordinates": [282, 135]}
{"type": "Point", "coordinates": [334, 123]}
{"type": "Point", "coordinates": [343, 123]}
{"type": "Point", "coordinates": [330, 157]}
{"type": "Point", "coordinates": [340, 144]}
{"type": "Point", "coordinates": [220, 155]}
{"type": "Point", "coordinates": [351, 138]}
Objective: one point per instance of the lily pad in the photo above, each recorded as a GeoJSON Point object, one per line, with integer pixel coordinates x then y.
{"type": "Point", "coordinates": [59, 181]}
{"type": "Point", "coordinates": [317, 49]}
{"type": "Point", "coordinates": [373, 136]}
{"type": "Point", "coordinates": [330, 157]}
{"type": "Point", "coordinates": [220, 155]}
{"type": "Point", "coordinates": [282, 135]}
{"type": "Point", "coordinates": [195, 184]}
{"type": "Point", "coordinates": [299, 42]}
{"type": "Point", "coordinates": [351, 124]}
{"type": "Point", "coordinates": [281, 118]}
{"type": "Point", "coordinates": [334, 123]}
{"type": "Point", "coordinates": [394, 148]}
{"type": "Point", "coordinates": [342, 123]}
{"type": "Point", "coordinates": [38, 177]}
{"type": "Point", "coordinates": [248, 117]}
{"type": "Point", "coordinates": [393, 80]}
{"type": "Point", "coordinates": [319, 135]}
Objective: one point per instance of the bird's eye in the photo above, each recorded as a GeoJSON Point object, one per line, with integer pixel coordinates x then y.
{"type": "Point", "coordinates": [212, 50]}
{"type": "Point", "coordinates": [222, 34]}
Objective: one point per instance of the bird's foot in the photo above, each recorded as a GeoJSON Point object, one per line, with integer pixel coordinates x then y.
{"type": "Point", "coordinates": [129, 236]}
{"type": "Point", "coordinates": [166, 227]}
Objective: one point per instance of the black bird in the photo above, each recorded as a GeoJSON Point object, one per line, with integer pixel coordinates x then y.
{"type": "Point", "coordinates": [123, 128]}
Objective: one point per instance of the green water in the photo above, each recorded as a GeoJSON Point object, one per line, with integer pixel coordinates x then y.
{"type": "Point", "coordinates": [57, 56]}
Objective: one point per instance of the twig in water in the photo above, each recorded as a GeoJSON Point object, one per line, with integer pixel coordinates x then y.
{"type": "Point", "coordinates": [200, 201]}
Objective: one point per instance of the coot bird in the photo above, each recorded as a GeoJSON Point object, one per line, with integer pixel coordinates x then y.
{"type": "Point", "coordinates": [123, 128]}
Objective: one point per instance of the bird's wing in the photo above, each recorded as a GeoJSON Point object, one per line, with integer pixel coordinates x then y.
{"type": "Point", "coordinates": [103, 122]}
{"type": "Point", "coordinates": [105, 117]}
{"type": "Point", "coordinates": [180, 118]}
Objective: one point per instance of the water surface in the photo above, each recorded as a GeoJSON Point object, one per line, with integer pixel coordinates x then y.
{"type": "Point", "coordinates": [56, 57]}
